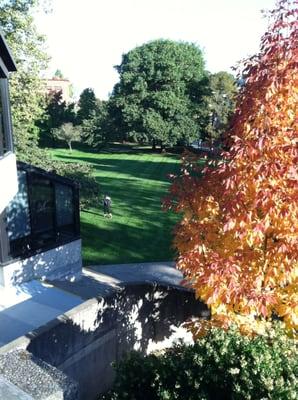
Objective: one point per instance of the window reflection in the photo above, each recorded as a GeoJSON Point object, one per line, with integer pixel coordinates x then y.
{"type": "Point", "coordinates": [17, 213]}
{"type": "Point", "coordinates": [41, 195]}
{"type": "Point", "coordinates": [44, 213]}
{"type": "Point", "coordinates": [64, 205]}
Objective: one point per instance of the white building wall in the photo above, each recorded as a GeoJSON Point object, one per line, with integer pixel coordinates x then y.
{"type": "Point", "coordinates": [62, 262]}
{"type": "Point", "coordinates": [8, 179]}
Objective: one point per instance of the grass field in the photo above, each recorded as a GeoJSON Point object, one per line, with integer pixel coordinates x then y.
{"type": "Point", "coordinates": [139, 230]}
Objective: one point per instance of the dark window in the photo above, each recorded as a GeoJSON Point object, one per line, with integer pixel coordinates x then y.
{"type": "Point", "coordinates": [41, 197]}
{"type": "Point", "coordinates": [65, 212]}
{"type": "Point", "coordinates": [44, 213]}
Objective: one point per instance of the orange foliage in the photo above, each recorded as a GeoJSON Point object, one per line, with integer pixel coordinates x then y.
{"type": "Point", "coordinates": [238, 239]}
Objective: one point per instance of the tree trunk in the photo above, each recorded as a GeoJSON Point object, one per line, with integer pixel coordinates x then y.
{"type": "Point", "coordinates": [153, 144]}
{"type": "Point", "coordinates": [69, 145]}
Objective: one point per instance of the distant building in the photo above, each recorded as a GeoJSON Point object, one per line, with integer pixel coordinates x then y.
{"type": "Point", "coordinates": [55, 85]}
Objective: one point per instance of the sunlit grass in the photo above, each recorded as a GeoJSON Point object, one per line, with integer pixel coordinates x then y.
{"type": "Point", "coordinates": [140, 231]}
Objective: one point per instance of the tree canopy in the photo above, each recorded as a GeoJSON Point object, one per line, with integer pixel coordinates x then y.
{"type": "Point", "coordinates": [160, 89]}
{"type": "Point", "coordinates": [238, 240]}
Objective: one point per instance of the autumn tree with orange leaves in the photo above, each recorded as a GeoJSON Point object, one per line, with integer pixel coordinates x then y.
{"type": "Point", "coordinates": [238, 239]}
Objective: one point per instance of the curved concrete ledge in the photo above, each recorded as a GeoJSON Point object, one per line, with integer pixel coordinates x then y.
{"type": "Point", "coordinates": [163, 272]}
{"type": "Point", "coordinates": [85, 341]}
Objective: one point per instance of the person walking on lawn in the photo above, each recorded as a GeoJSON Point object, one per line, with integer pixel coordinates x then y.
{"type": "Point", "coordinates": [107, 202]}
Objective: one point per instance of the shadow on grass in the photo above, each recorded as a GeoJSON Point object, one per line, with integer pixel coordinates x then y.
{"type": "Point", "coordinates": [130, 196]}
{"type": "Point", "coordinates": [132, 202]}
{"type": "Point", "coordinates": [142, 169]}
{"type": "Point", "coordinates": [91, 212]}
{"type": "Point", "coordinates": [126, 148]}
{"type": "Point", "coordinates": [121, 243]}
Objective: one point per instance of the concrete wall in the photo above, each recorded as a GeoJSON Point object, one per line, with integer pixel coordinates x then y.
{"type": "Point", "coordinates": [85, 341]}
{"type": "Point", "coordinates": [63, 262]}
{"type": "Point", "coordinates": [8, 179]}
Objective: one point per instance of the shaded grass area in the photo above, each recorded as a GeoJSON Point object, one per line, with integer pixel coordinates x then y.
{"type": "Point", "coordinates": [137, 181]}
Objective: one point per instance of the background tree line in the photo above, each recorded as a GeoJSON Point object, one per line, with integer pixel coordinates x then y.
{"type": "Point", "coordinates": [164, 96]}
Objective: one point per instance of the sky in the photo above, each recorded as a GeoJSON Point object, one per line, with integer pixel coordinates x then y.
{"type": "Point", "coordinates": [87, 38]}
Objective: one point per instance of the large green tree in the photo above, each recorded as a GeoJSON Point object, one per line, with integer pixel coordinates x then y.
{"type": "Point", "coordinates": [159, 92]}
{"type": "Point", "coordinates": [26, 90]}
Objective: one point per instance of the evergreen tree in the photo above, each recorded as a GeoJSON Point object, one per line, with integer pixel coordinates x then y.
{"type": "Point", "coordinates": [58, 74]}
{"type": "Point", "coordinates": [86, 105]}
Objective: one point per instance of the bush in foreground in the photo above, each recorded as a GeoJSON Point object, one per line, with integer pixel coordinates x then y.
{"type": "Point", "coordinates": [221, 366]}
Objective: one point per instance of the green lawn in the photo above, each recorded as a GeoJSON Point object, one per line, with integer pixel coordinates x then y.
{"type": "Point", "coordinates": [139, 229]}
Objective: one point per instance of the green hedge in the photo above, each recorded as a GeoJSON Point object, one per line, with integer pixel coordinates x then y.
{"type": "Point", "coordinates": [221, 366]}
{"type": "Point", "coordinates": [81, 173]}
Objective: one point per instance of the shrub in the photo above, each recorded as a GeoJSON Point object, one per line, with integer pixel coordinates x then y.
{"type": "Point", "coordinates": [221, 366]}
{"type": "Point", "coordinates": [81, 173]}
